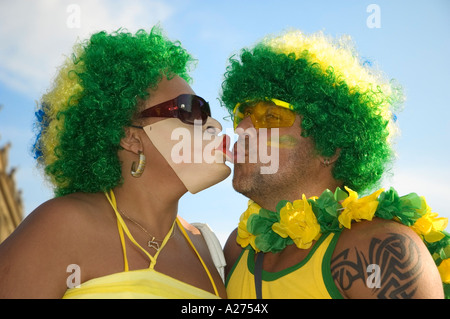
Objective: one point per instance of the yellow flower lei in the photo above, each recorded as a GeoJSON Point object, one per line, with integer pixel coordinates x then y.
{"type": "Point", "coordinates": [297, 220]}
{"type": "Point", "coordinates": [305, 220]}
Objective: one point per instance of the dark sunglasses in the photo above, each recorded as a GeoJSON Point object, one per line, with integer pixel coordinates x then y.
{"type": "Point", "coordinates": [186, 107]}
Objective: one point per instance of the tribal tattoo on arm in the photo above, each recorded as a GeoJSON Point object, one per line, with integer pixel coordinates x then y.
{"type": "Point", "coordinates": [397, 263]}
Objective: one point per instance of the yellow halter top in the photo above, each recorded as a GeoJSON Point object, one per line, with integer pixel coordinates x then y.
{"type": "Point", "coordinates": [143, 283]}
{"type": "Point", "coordinates": [309, 279]}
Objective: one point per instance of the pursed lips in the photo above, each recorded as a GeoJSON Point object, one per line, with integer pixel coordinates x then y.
{"type": "Point", "coordinates": [224, 148]}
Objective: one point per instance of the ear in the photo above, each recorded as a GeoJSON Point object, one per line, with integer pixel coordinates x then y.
{"type": "Point", "coordinates": [335, 157]}
{"type": "Point", "coordinates": [327, 161]}
{"type": "Point", "coordinates": [132, 141]}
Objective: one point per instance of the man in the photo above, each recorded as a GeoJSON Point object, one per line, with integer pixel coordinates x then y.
{"type": "Point", "coordinates": [306, 232]}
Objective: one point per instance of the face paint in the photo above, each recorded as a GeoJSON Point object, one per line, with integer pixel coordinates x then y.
{"type": "Point", "coordinates": [197, 159]}
{"type": "Point", "coordinates": [284, 141]}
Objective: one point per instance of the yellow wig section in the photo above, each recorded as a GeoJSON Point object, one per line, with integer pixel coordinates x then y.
{"type": "Point", "coordinates": [64, 93]}
{"type": "Point", "coordinates": [341, 56]}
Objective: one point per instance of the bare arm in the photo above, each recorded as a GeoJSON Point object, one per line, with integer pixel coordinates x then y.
{"type": "Point", "coordinates": [384, 260]}
{"type": "Point", "coordinates": [231, 251]}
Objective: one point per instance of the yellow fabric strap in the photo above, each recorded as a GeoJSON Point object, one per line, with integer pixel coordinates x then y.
{"type": "Point", "coordinates": [122, 238]}
{"type": "Point", "coordinates": [112, 200]}
{"type": "Point", "coordinates": [199, 257]}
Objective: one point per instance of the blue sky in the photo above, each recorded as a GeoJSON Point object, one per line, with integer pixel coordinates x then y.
{"type": "Point", "coordinates": [411, 44]}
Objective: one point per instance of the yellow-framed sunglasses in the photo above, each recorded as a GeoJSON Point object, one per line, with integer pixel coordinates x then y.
{"type": "Point", "coordinates": [269, 113]}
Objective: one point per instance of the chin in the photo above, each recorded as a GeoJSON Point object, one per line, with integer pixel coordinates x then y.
{"type": "Point", "coordinates": [243, 183]}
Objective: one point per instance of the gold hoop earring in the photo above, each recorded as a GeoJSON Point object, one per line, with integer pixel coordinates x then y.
{"type": "Point", "coordinates": [141, 165]}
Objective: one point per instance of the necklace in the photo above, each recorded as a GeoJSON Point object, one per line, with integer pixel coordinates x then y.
{"type": "Point", "coordinates": [153, 242]}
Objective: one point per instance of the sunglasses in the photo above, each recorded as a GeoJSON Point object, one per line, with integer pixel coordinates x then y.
{"type": "Point", "coordinates": [271, 113]}
{"type": "Point", "coordinates": [186, 107]}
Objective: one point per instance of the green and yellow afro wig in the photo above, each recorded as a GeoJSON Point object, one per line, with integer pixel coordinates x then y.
{"type": "Point", "coordinates": [80, 120]}
{"type": "Point", "coordinates": [345, 104]}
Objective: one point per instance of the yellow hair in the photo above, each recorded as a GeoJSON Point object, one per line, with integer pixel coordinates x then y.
{"type": "Point", "coordinates": [64, 93]}
{"type": "Point", "coordinates": [340, 55]}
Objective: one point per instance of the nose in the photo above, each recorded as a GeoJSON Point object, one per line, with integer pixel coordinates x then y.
{"type": "Point", "coordinates": [246, 129]}
{"type": "Point", "coordinates": [212, 126]}
{"type": "Point", "coordinates": [245, 123]}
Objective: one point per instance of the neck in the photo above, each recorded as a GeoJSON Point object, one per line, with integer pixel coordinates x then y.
{"type": "Point", "coordinates": [150, 201]}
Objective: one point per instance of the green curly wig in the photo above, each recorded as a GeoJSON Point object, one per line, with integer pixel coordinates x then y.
{"type": "Point", "coordinates": [344, 104]}
{"type": "Point", "coordinates": [81, 119]}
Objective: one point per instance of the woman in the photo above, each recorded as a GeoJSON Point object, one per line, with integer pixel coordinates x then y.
{"type": "Point", "coordinates": [105, 142]}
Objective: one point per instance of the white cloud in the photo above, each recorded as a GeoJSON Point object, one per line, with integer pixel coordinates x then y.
{"type": "Point", "coordinates": [35, 35]}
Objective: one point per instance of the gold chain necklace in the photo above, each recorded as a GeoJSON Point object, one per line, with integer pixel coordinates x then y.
{"type": "Point", "coordinates": [152, 243]}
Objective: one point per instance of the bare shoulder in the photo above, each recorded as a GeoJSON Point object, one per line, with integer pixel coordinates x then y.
{"type": "Point", "coordinates": [51, 221]}
{"type": "Point", "coordinates": [384, 259]}
{"type": "Point", "coordinates": [197, 238]}
{"type": "Point", "coordinates": [199, 233]}
{"type": "Point", "coordinates": [34, 258]}
{"type": "Point", "coordinates": [189, 227]}
{"type": "Point", "coordinates": [59, 218]}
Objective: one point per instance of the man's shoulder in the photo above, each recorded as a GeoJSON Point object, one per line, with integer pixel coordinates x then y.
{"type": "Point", "coordinates": [364, 231]}
{"type": "Point", "coordinates": [384, 259]}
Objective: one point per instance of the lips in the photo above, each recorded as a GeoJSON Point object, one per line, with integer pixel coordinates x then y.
{"type": "Point", "coordinates": [241, 150]}
{"type": "Point", "coordinates": [224, 148]}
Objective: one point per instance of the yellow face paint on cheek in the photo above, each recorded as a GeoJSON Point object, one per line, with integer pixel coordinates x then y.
{"type": "Point", "coordinates": [284, 141]}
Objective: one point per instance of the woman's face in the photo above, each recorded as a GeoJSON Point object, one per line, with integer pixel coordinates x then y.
{"type": "Point", "coordinates": [194, 152]}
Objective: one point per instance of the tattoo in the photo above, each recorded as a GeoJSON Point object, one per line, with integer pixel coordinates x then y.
{"type": "Point", "coordinates": [397, 258]}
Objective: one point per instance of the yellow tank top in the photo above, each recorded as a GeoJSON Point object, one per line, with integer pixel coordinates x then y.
{"type": "Point", "coordinates": [143, 283]}
{"type": "Point", "coordinates": [309, 279]}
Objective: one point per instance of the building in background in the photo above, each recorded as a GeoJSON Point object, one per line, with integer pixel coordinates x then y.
{"type": "Point", "coordinates": [11, 208]}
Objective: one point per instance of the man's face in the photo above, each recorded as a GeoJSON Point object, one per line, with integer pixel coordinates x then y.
{"type": "Point", "coordinates": [297, 168]}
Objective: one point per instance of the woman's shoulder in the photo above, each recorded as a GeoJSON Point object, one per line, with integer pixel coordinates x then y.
{"type": "Point", "coordinates": [199, 232]}
{"type": "Point", "coordinates": [58, 224]}
{"type": "Point", "coordinates": [207, 243]}
{"type": "Point", "coordinates": [35, 257]}
{"type": "Point", "coordinates": [188, 226]}
{"type": "Point", "coordinates": [66, 212]}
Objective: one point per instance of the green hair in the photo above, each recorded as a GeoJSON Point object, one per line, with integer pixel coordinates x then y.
{"type": "Point", "coordinates": [344, 104]}
{"type": "Point", "coordinates": [80, 120]}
